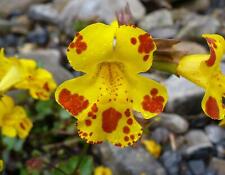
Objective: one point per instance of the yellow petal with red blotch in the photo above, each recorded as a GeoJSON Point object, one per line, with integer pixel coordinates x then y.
{"type": "Point", "coordinates": [212, 104]}
{"type": "Point", "coordinates": [112, 121]}
{"type": "Point", "coordinates": [216, 45]}
{"type": "Point", "coordinates": [199, 68]}
{"type": "Point", "coordinates": [102, 100]}
{"type": "Point", "coordinates": [149, 97]}
{"type": "Point", "coordinates": [91, 46]}
{"type": "Point", "coordinates": [99, 43]}
{"type": "Point", "coordinates": [134, 48]}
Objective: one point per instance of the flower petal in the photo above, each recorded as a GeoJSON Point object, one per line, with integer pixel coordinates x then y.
{"type": "Point", "coordinates": [149, 98]}
{"type": "Point", "coordinates": [100, 103]}
{"type": "Point", "coordinates": [212, 104]}
{"type": "Point", "coordinates": [90, 46]}
{"type": "Point", "coordinates": [199, 68]}
{"type": "Point", "coordinates": [112, 121]}
{"type": "Point", "coordinates": [9, 131]}
{"type": "Point", "coordinates": [216, 45]}
{"type": "Point", "coordinates": [129, 45]}
{"type": "Point", "coordinates": [134, 48]}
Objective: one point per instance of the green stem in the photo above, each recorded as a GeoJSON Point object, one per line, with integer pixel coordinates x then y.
{"type": "Point", "coordinates": [165, 66]}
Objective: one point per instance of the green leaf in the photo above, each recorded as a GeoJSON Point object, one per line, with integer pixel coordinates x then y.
{"type": "Point", "coordinates": [67, 167]}
{"type": "Point", "coordinates": [86, 166]}
{"type": "Point", "coordinates": [44, 107]}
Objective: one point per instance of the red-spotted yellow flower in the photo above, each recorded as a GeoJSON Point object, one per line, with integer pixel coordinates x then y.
{"type": "Point", "coordinates": [24, 74]}
{"type": "Point", "coordinates": [205, 71]}
{"type": "Point", "coordinates": [103, 100]}
{"type": "Point", "coordinates": [13, 119]}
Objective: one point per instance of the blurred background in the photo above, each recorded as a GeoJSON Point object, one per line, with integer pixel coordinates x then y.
{"type": "Point", "coordinates": [182, 140]}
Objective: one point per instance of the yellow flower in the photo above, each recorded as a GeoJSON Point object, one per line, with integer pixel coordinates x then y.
{"type": "Point", "coordinates": [104, 98]}
{"type": "Point", "coordinates": [205, 71]}
{"type": "Point", "coordinates": [13, 119]}
{"type": "Point", "coordinates": [101, 170]}
{"type": "Point", "coordinates": [24, 74]}
{"type": "Point", "coordinates": [152, 147]}
{"type": "Point", "coordinates": [1, 165]}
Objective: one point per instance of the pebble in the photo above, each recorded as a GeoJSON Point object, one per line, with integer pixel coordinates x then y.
{"type": "Point", "coordinates": [198, 144]}
{"type": "Point", "coordinates": [160, 135]}
{"type": "Point", "coordinates": [218, 165]}
{"type": "Point", "coordinates": [43, 13]}
{"type": "Point", "coordinates": [38, 36]}
{"type": "Point", "coordinates": [197, 167]}
{"type": "Point", "coordinates": [173, 122]}
{"type": "Point", "coordinates": [157, 19]}
{"type": "Point", "coordinates": [171, 161]}
{"type": "Point", "coordinates": [215, 133]}
{"type": "Point", "coordinates": [184, 97]}
{"type": "Point", "coordinates": [128, 161]}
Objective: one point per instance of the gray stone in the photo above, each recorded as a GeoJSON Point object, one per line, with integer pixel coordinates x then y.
{"type": "Point", "coordinates": [164, 32]}
{"type": "Point", "coordinates": [128, 161]}
{"type": "Point", "coordinates": [157, 19]}
{"type": "Point", "coordinates": [218, 165]}
{"type": "Point", "coordinates": [43, 12]}
{"type": "Point", "coordinates": [195, 25]}
{"type": "Point", "coordinates": [16, 25]}
{"type": "Point", "coordinates": [103, 10]}
{"type": "Point", "coordinates": [184, 96]}
{"type": "Point", "coordinates": [197, 167]}
{"type": "Point", "coordinates": [9, 6]}
{"type": "Point", "coordinates": [173, 122]}
{"type": "Point", "coordinates": [196, 5]}
{"type": "Point", "coordinates": [160, 135]}
{"type": "Point", "coordinates": [171, 161]}
{"type": "Point", "coordinates": [215, 133]}
{"type": "Point", "coordinates": [50, 59]}
{"type": "Point", "coordinates": [196, 140]}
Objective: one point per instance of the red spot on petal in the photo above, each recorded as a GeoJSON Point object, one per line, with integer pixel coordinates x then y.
{"type": "Point", "coordinates": [72, 45]}
{"type": "Point", "coordinates": [118, 144]}
{"type": "Point", "coordinates": [145, 58]}
{"type": "Point", "coordinates": [153, 104]}
{"type": "Point", "coordinates": [22, 126]}
{"type": "Point", "coordinates": [110, 119]}
{"type": "Point", "coordinates": [46, 87]}
{"type": "Point", "coordinates": [154, 92]}
{"type": "Point", "coordinates": [126, 129]}
{"type": "Point", "coordinates": [133, 40]}
{"type": "Point", "coordinates": [132, 137]}
{"type": "Point", "coordinates": [78, 44]}
{"type": "Point", "coordinates": [127, 112]}
{"type": "Point", "coordinates": [130, 121]}
{"type": "Point", "coordinates": [72, 102]}
{"type": "Point", "coordinates": [126, 138]}
{"type": "Point", "coordinates": [210, 62]}
{"type": "Point", "coordinates": [212, 108]}
{"type": "Point", "coordinates": [94, 108]}
{"type": "Point", "coordinates": [146, 43]}
{"type": "Point", "coordinates": [88, 122]}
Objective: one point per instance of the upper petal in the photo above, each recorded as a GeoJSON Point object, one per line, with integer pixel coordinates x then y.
{"type": "Point", "coordinates": [134, 48]}
{"type": "Point", "coordinates": [91, 46]}
{"type": "Point", "coordinates": [216, 45]}
{"type": "Point", "coordinates": [200, 68]}
{"type": "Point", "coordinates": [100, 43]}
